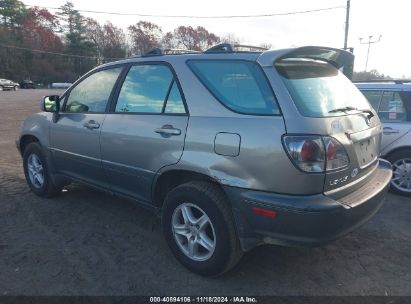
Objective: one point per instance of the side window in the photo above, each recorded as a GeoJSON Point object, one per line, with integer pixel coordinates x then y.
{"type": "Point", "coordinates": [239, 85]}
{"type": "Point", "coordinates": [92, 94]}
{"type": "Point", "coordinates": [147, 88]}
{"type": "Point", "coordinates": [374, 98]}
{"type": "Point", "coordinates": [174, 101]}
{"type": "Point", "coordinates": [392, 108]}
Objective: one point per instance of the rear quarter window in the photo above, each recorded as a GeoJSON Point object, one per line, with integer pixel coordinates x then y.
{"type": "Point", "coordinates": [239, 85]}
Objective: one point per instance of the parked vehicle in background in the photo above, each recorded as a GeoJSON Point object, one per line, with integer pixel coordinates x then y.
{"type": "Point", "coordinates": [233, 149]}
{"type": "Point", "coordinates": [6, 84]}
{"type": "Point", "coordinates": [392, 100]}
{"type": "Point", "coordinates": [27, 84]}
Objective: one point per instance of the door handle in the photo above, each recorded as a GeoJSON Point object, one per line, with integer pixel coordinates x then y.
{"type": "Point", "coordinates": [92, 125]}
{"type": "Point", "coordinates": [388, 130]}
{"type": "Point", "coordinates": [168, 130]}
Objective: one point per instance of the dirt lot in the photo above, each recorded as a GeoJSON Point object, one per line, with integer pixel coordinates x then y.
{"type": "Point", "coordinates": [89, 243]}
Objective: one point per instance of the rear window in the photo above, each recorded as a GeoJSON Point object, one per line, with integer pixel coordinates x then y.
{"type": "Point", "coordinates": [318, 88]}
{"type": "Point", "coordinates": [239, 85]}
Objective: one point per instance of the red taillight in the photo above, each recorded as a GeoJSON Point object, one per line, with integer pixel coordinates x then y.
{"type": "Point", "coordinates": [336, 155]}
{"type": "Point", "coordinates": [314, 153]}
{"type": "Point", "coordinates": [309, 150]}
{"type": "Point", "coordinates": [264, 212]}
{"type": "Point", "coordinates": [331, 150]}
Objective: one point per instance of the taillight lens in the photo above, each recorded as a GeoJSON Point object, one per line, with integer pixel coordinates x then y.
{"type": "Point", "coordinates": [336, 156]}
{"type": "Point", "coordinates": [307, 152]}
{"type": "Point", "coordinates": [316, 153]}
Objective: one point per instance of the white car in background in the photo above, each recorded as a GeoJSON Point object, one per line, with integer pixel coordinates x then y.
{"type": "Point", "coordinates": [392, 100]}
{"type": "Point", "coordinates": [6, 84]}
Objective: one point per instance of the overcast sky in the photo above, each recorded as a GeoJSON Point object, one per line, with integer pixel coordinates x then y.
{"type": "Point", "coordinates": [391, 19]}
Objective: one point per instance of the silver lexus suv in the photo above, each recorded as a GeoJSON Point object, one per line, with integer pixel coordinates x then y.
{"type": "Point", "coordinates": [233, 149]}
{"type": "Point", "coordinates": [392, 101]}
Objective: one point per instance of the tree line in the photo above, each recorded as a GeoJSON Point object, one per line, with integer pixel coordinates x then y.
{"type": "Point", "coordinates": [39, 45]}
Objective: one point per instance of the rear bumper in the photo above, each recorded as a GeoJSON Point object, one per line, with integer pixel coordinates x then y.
{"type": "Point", "coordinates": [310, 220]}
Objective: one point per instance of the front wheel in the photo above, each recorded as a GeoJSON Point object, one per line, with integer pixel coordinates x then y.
{"type": "Point", "coordinates": [401, 167]}
{"type": "Point", "coordinates": [37, 173]}
{"type": "Point", "coordinates": [16, 88]}
{"type": "Point", "coordinates": [199, 228]}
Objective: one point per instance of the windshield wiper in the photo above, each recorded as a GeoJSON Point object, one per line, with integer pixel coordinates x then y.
{"type": "Point", "coordinates": [349, 108]}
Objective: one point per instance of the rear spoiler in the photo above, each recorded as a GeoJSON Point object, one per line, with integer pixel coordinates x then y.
{"type": "Point", "coordinates": [342, 60]}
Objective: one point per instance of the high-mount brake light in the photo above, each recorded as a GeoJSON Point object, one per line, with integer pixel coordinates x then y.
{"type": "Point", "coordinates": [315, 154]}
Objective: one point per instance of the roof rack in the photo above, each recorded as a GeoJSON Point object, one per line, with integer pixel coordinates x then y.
{"type": "Point", "coordinates": [396, 81]}
{"type": "Point", "coordinates": [228, 48]}
{"type": "Point", "coordinates": [153, 52]}
{"type": "Point", "coordinates": [161, 52]}
{"type": "Point", "coordinates": [179, 51]}
{"type": "Point", "coordinates": [219, 48]}
{"type": "Point", "coordinates": [251, 48]}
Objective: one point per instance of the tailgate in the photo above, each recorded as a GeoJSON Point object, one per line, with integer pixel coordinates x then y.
{"type": "Point", "coordinates": [317, 99]}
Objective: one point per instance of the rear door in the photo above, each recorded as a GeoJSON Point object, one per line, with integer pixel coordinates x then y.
{"type": "Point", "coordinates": [145, 129]}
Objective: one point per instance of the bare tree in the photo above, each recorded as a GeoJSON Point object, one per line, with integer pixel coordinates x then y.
{"type": "Point", "coordinates": [144, 36]}
{"type": "Point", "coordinates": [194, 38]}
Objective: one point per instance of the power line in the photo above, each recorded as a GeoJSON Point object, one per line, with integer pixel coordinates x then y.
{"type": "Point", "coordinates": [201, 17]}
{"type": "Point", "coordinates": [52, 53]}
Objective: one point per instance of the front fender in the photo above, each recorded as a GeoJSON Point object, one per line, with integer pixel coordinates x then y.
{"type": "Point", "coordinates": [37, 125]}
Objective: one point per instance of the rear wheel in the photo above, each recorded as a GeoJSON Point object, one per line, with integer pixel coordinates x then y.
{"type": "Point", "coordinates": [16, 88]}
{"type": "Point", "coordinates": [199, 228]}
{"type": "Point", "coordinates": [401, 167]}
{"type": "Point", "coordinates": [37, 173]}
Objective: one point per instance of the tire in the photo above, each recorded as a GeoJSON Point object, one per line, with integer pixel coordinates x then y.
{"type": "Point", "coordinates": [1, 88]}
{"type": "Point", "coordinates": [401, 166]}
{"type": "Point", "coordinates": [16, 88]}
{"type": "Point", "coordinates": [37, 173]}
{"type": "Point", "coordinates": [202, 198]}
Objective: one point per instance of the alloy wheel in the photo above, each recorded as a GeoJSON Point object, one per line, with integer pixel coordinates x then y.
{"type": "Point", "coordinates": [193, 232]}
{"type": "Point", "coordinates": [35, 171]}
{"type": "Point", "coordinates": [401, 179]}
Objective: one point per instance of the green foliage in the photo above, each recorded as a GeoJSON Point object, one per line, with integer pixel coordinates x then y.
{"type": "Point", "coordinates": [11, 12]}
{"type": "Point", "coordinates": [44, 47]}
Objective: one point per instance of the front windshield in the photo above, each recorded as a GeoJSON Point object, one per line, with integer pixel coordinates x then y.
{"type": "Point", "coordinates": [318, 88]}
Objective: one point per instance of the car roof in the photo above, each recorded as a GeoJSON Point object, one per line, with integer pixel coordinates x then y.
{"type": "Point", "coordinates": [337, 57]}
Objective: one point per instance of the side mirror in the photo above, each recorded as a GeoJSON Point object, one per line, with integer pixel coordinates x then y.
{"type": "Point", "coordinates": [51, 104]}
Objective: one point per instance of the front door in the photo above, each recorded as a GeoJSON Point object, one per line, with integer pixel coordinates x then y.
{"type": "Point", "coordinates": [144, 131]}
{"type": "Point", "coordinates": [75, 137]}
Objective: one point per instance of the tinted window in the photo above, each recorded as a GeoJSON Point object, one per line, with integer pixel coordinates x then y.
{"type": "Point", "coordinates": [174, 101]}
{"type": "Point", "coordinates": [92, 94]}
{"type": "Point", "coordinates": [318, 88]}
{"type": "Point", "coordinates": [145, 89]}
{"type": "Point", "coordinates": [239, 85]}
{"type": "Point", "coordinates": [393, 107]}
{"type": "Point", "coordinates": [373, 97]}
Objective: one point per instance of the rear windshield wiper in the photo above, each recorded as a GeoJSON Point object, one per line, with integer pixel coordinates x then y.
{"type": "Point", "coordinates": [349, 108]}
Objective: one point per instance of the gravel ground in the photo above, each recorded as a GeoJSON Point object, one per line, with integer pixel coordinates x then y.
{"type": "Point", "coordinates": [90, 243]}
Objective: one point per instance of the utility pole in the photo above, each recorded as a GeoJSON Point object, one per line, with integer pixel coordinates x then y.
{"type": "Point", "coordinates": [369, 42]}
{"type": "Point", "coordinates": [347, 23]}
